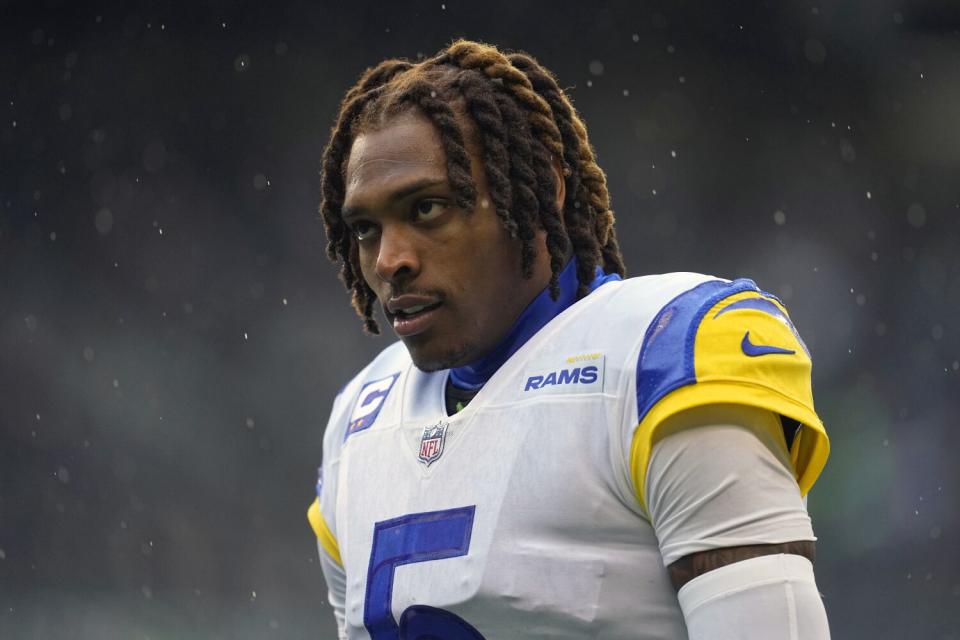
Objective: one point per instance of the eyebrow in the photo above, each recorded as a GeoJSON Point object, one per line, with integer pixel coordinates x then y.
{"type": "Point", "coordinates": [399, 194]}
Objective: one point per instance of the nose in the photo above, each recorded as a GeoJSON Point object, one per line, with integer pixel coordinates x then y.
{"type": "Point", "coordinates": [397, 258]}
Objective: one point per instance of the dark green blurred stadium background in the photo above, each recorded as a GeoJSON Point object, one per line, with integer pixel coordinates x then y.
{"type": "Point", "coordinates": [171, 335]}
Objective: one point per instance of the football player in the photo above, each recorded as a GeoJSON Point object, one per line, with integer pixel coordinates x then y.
{"type": "Point", "coordinates": [550, 450]}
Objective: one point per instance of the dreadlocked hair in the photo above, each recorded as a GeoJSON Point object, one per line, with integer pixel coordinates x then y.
{"type": "Point", "coordinates": [511, 108]}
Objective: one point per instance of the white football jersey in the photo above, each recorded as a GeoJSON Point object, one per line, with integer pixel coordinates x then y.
{"type": "Point", "coordinates": [522, 515]}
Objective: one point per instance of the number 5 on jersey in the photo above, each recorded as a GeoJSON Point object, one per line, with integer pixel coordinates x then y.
{"type": "Point", "coordinates": [417, 537]}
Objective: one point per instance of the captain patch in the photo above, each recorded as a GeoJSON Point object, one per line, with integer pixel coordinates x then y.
{"type": "Point", "coordinates": [369, 402]}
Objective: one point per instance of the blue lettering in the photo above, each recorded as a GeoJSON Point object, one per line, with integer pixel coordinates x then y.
{"type": "Point", "coordinates": [577, 375]}
{"type": "Point", "coordinates": [588, 375]}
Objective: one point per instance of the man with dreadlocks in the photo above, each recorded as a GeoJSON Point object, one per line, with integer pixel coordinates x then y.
{"type": "Point", "coordinates": [550, 451]}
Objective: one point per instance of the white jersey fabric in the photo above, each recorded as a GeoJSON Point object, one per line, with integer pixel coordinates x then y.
{"type": "Point", "coordinates": [524, 515]}
{"type": "Point", "coordinates": [721, 477]}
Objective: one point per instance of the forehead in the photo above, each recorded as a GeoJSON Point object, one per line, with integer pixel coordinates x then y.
{"type": "Point", "coordinates": [405, 148]}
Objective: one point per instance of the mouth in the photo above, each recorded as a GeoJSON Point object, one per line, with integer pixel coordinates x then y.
{"type": "Point", "coordinates": [411, 315]}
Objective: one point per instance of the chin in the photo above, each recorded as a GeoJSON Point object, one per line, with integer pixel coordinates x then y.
{"type": "Point", "coordinates": [432, 357]}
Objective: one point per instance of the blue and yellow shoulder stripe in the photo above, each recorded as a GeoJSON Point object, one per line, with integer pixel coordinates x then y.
{"type": "Point", "coordinates": [726, 343]}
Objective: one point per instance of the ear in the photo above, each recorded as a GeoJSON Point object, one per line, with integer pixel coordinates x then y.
{"type": "Point", "coordinates": [561, 182]}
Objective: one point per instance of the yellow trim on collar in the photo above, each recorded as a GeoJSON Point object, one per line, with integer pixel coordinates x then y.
{"type": "Point", "coordinates": [324, 535]}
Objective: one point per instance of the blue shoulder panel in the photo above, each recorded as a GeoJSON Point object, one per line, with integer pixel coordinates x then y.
{"type": "Point", "coordinates": [760, 304]}
{"type": "Point", "coordinates": [666, 357]}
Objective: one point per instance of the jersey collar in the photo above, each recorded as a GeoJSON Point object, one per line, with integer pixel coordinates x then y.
{"type": "Point", "coordinates": [538, 313]}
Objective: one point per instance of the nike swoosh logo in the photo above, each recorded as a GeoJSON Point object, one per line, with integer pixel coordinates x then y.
{"type": "Point", "coordinates": [754, 350]}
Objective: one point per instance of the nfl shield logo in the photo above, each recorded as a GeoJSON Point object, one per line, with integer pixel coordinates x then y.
{"type": "Point", "coordinates": [431, 443]}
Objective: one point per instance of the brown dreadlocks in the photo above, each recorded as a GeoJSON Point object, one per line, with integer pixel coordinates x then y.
{"type": "Point", "coordinates": [524, 123]}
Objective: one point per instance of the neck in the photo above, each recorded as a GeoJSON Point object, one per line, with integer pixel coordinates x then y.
{"type": "Point", "coordinates": [538, 313]}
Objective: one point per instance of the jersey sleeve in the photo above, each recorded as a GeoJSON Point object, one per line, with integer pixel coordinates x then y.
{"type": "Point", "coordinates": [726, 343]}
{"type": "Point", "coordinates": [723, 478]}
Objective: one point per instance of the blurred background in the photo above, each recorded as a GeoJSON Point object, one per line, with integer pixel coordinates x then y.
{"type": "Point", "coordinates": [171, 335]}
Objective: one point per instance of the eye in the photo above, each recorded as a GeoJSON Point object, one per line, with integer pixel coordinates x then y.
{"type": "Point", "coordinates": [427, 210]}
{"type": "Point", "coordinates": [363, 230]}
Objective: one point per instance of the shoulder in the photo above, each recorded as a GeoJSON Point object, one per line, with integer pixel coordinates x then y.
{"type": "Point", "coordinates": [394, 358]}
{"type": "Point", "coordinates": [628, 312]}
{"type": "Point", "coordinates": [634, 296]}
{"type": "Point", "coordinates": [359, 401]}
{"type": "Point", "coordinates": [718, 330]}
{"type": "Point", "coordinates": [727, 342]}
{"type": "Point", "coordinates": [675, 298]}
{"type": "Point", "coordinates": [616, 317]}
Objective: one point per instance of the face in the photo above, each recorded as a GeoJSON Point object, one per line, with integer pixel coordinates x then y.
{"type": "Point", "coordinates": [448, 279]}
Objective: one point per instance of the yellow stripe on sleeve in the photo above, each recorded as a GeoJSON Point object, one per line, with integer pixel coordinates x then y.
{"type": "Point", "coordinates": [809, 452]}
{"type": "Point", "coordinates": [324, 535]}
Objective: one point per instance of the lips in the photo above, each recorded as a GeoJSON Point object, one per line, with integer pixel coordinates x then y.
{"type": "Point", "coordinates": [412, 313]}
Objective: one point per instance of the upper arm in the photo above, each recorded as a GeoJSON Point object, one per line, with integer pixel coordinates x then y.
{"type": "Point", "coordinates": [721, 477]}
{"type": "Point", "coordinates": [720, 490]}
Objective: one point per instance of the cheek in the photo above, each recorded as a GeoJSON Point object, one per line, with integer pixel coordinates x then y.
{"type": "Point", "coordinates": [502, 263]}
{"type": "Point", "coordinates": [497, 283]}
{"type": "Point", "coordinates": [367, 258]}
